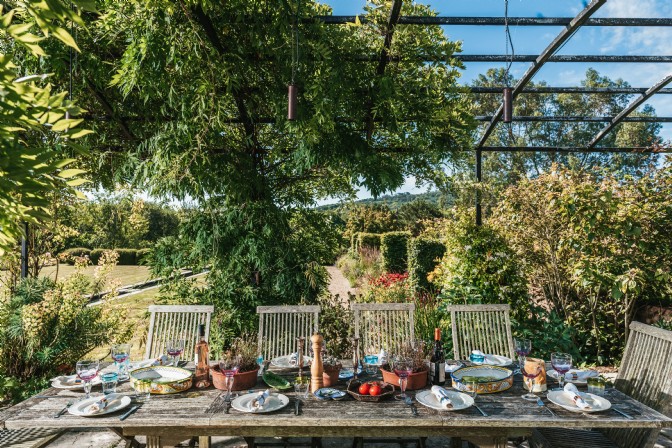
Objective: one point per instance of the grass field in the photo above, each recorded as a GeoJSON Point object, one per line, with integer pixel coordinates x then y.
{"type": "Point", "coordinates": [128, 275]}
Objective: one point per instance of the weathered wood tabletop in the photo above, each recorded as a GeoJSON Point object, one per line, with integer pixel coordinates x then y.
{"type": "Point", "coordinates": [202, 413]}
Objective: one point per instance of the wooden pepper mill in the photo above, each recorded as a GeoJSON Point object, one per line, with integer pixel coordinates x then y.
{"type": "Point", "coordinates": [316, 369]}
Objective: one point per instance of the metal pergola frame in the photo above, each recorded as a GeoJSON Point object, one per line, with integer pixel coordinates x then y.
{"type": "Point", "coordinates": [570, 27]}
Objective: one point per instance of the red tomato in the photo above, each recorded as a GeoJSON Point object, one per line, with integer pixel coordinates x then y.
{"type": "Point", "coordinates": [375, 390]}
{"type": "Point", "coordinates": [364, 389]}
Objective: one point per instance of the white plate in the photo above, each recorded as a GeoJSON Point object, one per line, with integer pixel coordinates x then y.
{"type": "Point", "coordinates": [68, 382]}
{"type": "Point", "coordinates": [283, 362]}
{"type": "Point", "coordinates": [597, 403]}
{"type": "Point", "coordinates": [116, 402]}
{"type": "Point", "coordinates": [460, 401]}
{"type": "Point", "coordinates": [496, 360]}
{"type": "Point", "coordinates": [568, 378]}
{"type": "Point", "coordinates": [273, 403]}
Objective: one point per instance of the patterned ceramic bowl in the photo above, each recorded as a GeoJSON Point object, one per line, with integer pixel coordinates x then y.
{"type": "Point", "coordinates": [491, 379]}
{"type": "Point", "coordinates": [164, 379]}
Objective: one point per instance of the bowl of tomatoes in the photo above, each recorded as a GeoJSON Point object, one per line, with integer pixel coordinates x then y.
{"type": "Point", "coordinates": [370, 391]}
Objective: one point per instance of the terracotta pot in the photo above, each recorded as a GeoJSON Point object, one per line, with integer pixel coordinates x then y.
{"type": "Point", "coordinates": [330, 375]}
{"type": "Point", "coordinates": [416, 380]}
{"type": "Point", "coordinates": [241, 380]}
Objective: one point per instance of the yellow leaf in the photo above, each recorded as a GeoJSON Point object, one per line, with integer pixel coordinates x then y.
{"type": "Point", "coordinates": [65, 37]}
{"type": "Point", "coordinates": [80, 133]}
{"type": "Point", "coordinates": [77, 182]}
{"type": "Point", "coordinates": [67, 174]}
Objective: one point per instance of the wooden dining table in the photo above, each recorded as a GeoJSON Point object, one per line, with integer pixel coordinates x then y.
{"type": "Point", "coordinates": [168, 419]}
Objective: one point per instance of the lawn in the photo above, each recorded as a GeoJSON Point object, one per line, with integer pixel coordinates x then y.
{"type": "Point", "coordinates": [128, 275]}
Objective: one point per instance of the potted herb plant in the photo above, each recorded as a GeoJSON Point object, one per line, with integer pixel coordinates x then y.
{"type": "Point", "coordinates": [332, 368]}
{"type": "Point", "coordinates": [243, 356]}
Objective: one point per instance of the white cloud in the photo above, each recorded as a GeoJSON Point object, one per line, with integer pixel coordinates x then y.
{"type": "Point", "coordinates": [636, 40]}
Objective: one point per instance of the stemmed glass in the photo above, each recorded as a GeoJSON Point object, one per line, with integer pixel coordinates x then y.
{"type": "Point", "coordinates": [562, 363]}
{"type": "Point", "coordinates": [523, 348]}
{"type": "Point", "coordinates": [87, 371]}
{"type": "Point", "coordinates": [529, 380]}
{"type": "Point", "coordinates": [472, 389]}
{"type": "Point", "coordinates": [229, 368]}
{"type": "Point", "coordinates": [174, 348]}
{"type": "Point", "coordinates": [403, 367]}
{"type": "Point", "coordinates": [120, 354]}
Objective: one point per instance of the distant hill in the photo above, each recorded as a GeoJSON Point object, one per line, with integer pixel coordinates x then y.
{"type": "Point", "coordinates": [396, 200]}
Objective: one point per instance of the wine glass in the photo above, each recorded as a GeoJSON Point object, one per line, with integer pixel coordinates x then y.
{"type": "Point", "coordinates": [472, 389]}
{"type": "Point", "coordinates": [403, 367]}
{"type": "Point", "coordinates": [229, 368]}
{"type": "Point", "coordinates": [529, 380]}
{"type": "Point", "coordinates": [562, 363]}
{"type": "Point", "coordinates": [174, 348]}
{"type": "Point", "coordinates": [120, 354]}
{"type": "Point", "coordinates": [523, 348]}
{"type": "Point", "coordinates": [87, 371]}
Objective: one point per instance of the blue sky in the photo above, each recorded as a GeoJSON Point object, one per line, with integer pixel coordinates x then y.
{"type": "Point", "coordinates": [533, 40]}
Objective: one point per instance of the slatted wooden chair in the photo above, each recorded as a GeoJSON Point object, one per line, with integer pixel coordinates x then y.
{"type": "Point", "coordinates": [483, 327]}
{"type": "Point", "coordinates": [172, 321]}
{"type": "Point", "coordinates": [383, 326]}
{"type": "Point", "coordinates": [645, 375]}
{"type": "Point", "coordinates": [279, 326]}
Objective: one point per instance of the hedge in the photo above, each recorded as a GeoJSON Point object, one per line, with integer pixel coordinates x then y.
{"type": "Point", "coordinates": [127, 257]}
{"type": "Point", "coordinates": [141, 255]}
{"type": "Point", "coordinates": [354, 242]}
{"type": "Point", "coordinates": [371, 240]}
{"type": "Point", "coordinates": [69, 255]}
{"type": "Point", "coordinates": [394, 250]}
{"type": "Point", "coordinates": [423, 256]}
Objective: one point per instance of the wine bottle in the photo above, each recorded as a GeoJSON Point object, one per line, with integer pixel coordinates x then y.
{"type": "Point", "coordinates": [202, 374]}
{"type": "Point", "coordinates": [437, 363]}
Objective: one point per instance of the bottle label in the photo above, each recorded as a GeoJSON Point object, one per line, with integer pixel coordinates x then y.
{"type": "Point", "coordinates": [196, 358]}
{"type": "Point", "coordinates": [432, 369]}
{"type": "Point", "coordinates": [442, 372]}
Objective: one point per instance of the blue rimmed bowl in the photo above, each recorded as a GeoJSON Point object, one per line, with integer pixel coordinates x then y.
{"type": "Point", "coordinates": [490, 379]}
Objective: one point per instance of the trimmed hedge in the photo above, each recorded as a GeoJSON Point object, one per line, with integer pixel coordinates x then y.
{"type": "Point", "coordinates": [127, 257]}
{"type": "Point", "coordinates": [371, 240]}
{"type": "Point", "coordinates": [69, 255]}
{"type": "Point", "coordinates": [394, 251]}
{"type": "Point", "coordinates": [141, 255]}
{"type": "Point", "coordinates": [423, 256]}
{"type": "Point", "coordinates": [354, 243]}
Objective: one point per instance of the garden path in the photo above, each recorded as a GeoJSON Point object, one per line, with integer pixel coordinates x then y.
{"type": "Point", "coordinates": [338, 284]}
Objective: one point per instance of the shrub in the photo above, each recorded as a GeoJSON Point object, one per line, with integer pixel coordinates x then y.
{"type": "Point", "coordinates": [46, 326]}
{"type": "Point", "coordinates": [388, 288]}
{"type": "Point", "coordinates": [354, 242]}
{"type": "Point", "coordinates": [336, 324]}
{"type": "Point", "coordinates": [423, 256]}
{"type": "Point", "coordinates": [358, 267]}
{"type": "Point", "coordinates": [95, 255]}
{"type": "Point", "coordinates": [69, 255]}
{"type": "Point", "coordinates": [368, 241]}
{"type": "Point", "coordinates": [142, 256]}
{"type": "Point", "coordinates": [394, 250]}
{"type": "Point", "coordinates": [127, 257]}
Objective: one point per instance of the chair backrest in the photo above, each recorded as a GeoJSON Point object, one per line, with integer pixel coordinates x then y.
{"type": "Point", "coordinates": [168, 322]}
{"type": "Point", "coordinates": [279, 326]}
{"type": "Point", "coordinates": [481, 327]}
{"type": "Point", "coordinates": [383, 326]}
{"type": "Point", "coordinates": [645, 375]}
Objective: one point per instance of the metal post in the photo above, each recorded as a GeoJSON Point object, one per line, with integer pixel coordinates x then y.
{"type": "Point", "coordinates": [479, 156]}
{"type": "Point", "coordinates": [24, 251]}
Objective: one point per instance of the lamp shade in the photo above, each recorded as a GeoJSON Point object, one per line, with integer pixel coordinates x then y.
{"type": "Point", "coordinates": [291, 102]}
{"type": "Point", "coordinates": [508, 105]}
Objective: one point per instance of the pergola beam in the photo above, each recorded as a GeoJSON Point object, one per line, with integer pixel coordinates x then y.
{"type": "Point", "coordinates": [499, 21]}
{"type": "Point", "coordinates": [579, 119]}
{"type": "Point", "coordinates": [577, 90]}
{"type": "Point", "coordinates": [560, 39]}
{"type": "Point", "coordinates": [575, 149]}
{"type": "Point", "coordinates": [564, 58]}
{"type": "Point", "coordinates": [623, 116]}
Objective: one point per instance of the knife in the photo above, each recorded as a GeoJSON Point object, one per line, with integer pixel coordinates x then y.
{"type": "Point", "coordinates": [297, 404]}
{"type": "Point", "coordinates": [480, 410]}
{"type": "Point", "coordinates": [128, 413]}
{"type": "Point", "coordinates": [628, 416]}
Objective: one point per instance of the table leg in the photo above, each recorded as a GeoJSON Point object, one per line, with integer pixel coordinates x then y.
{"type": "Point", "coordinates": [130, 441]}
{"type": "Point", "coordinates": [154, 442]}
{"type": "Point", "coordinates": [249, 441]}
{"type": "Point", "coordinates": [204, 441]}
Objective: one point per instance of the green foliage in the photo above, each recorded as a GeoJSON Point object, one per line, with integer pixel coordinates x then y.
{"type": "Point", "coordinates": [480, 267]}
{"type": "Point", "coordinates": [413, 215]}
{"type": "Point", "coordinates": [69, 255]}
{"type": "Point", "coordinates": [95, 255]}
{"type": "Point", "coordinates": [423, 256]}
{"type": "Point", "coordinates": [368, 241]}
{"type": "Point", "coordinates": [336, 324]}
{"type": "Point", "coordinates": [143, 256]}
{"type": "Point", "coordinates": [372, 219]}
{"type": "Point", "coordinates": [45, 326]}
{"type": "Point", "coordinates": [387, 288]}
{"type": "Point", "coordinates": [36, 128]}
{"type": "Point", "coordinates": [127, 257]}
{"type": "Point", "coordinates": [594, 245]}
{"type": "Point", "coordinates": [394, 251]}
{"type": "Point", "coordinates": [549, 333]}
{"type": "Point", "coordinates": [358, 267]}
{"type": "Point", "coordinates": [430, 315]}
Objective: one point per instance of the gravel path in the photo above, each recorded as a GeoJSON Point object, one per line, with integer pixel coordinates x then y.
{"type": "Point", "coordinates": [338, 284]}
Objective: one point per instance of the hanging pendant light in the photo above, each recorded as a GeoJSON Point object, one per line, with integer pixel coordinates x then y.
{"type": "Point", "coordinates": [291, 103]}
{"type": "Point", "coordinates": [508, 105]}
{"type": "Point", "coordinates": [293, 90]}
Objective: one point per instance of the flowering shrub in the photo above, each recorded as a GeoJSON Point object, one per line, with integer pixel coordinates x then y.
{"type": "Point", "coordinates": [46, 325]}
{"type": "Point", "coordinates": [388, 288]}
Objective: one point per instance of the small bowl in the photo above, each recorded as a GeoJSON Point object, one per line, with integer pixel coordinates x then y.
{"type": "Point", "coordinates": [334, 394]}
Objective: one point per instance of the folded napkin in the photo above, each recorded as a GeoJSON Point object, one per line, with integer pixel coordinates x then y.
{"type": "Point", "coordinates": [97, 406]}
{"type": "Point", "coordinates": [162, 360]}
{"type": "Point", "coordinates": [258, 403]}
{"type": "Point", "coordinates": [487, 359]}
{"type": "Point", "coordinates": [580, 375]}
{"type": "Point", "coordinates": [442, 395]}
{"type": "Point", "coordinates": [71, 380]}
{"type": "Point", "coordinates": [382, 357]}
{"type": "Point", "coordinates": [572, 392]}
{"type": "Point", "coordinates": [294, 358]}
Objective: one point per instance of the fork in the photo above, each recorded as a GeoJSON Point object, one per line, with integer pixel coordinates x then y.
{"type": "Point", "coordinates": [541, 404]}
{"type": "Point", "coordinates": [62, 411]}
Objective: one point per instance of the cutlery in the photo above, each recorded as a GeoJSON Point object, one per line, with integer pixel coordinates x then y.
{"type": "Point", "coordinates": [628, 416]}
{"type": "Point", "coordinates": [62, 411]}
{"type": "Point", "coordinates": [297, 403]}
{"type": "Point", "coordinates": [480, 410]}
{"type": "Point", "coordinates": [541, 404]}
{"type": "Point", "coordinates": [129, 412]}
{"type": "Point", "coordinates": [227, 406]}
{"type": "Point", "coordinates": [414, 410]}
